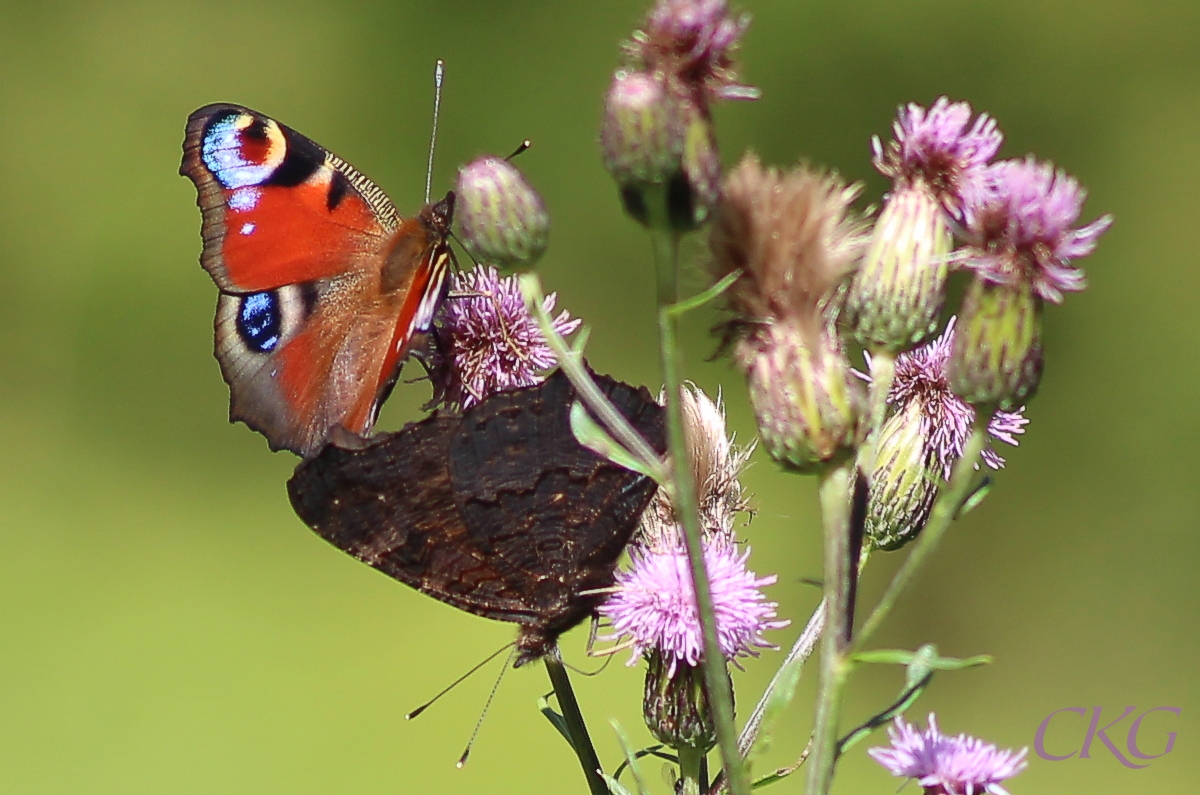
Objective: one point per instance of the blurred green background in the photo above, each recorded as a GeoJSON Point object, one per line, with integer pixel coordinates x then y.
{"type": "Point", "coordinates": [168, 626]}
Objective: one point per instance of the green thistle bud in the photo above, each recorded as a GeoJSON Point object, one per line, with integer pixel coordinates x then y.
{"type": "Point", "coordinates": [805, 398]}
{"type": "Point", "coordinates": [636, 136]}
{"type": "Point", "coordinates": [502, 218]}
{"type": "Point", "coordinates": [675, 704]}
{"type": "Point", "coordinates": [904, 480]}
{"type": "Point", "coordinates": [896, 296]}
{"type": "Point", "coordinates": [997, 354]}
{"type": "Point", "coordinates": [660, 148]}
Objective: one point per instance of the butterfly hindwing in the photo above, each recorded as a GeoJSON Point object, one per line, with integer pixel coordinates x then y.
{"type": "Point", "coordinates": [391, 505]}
{"type": "Point", "coordinates": [500, 512]}
{"type": "Point", "coordinates": [535, 500]}
{"type": "Point", "coordinates": [322, 283]}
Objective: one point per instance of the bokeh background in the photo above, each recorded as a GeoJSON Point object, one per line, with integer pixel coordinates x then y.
{"type": "Point", "coordinates": [168, 626]}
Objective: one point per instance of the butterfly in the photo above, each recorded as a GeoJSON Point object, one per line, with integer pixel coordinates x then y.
{"type": "Point", "coordinates": [323, 286]}
{"type": "Point", "coordinates": [498, 511]}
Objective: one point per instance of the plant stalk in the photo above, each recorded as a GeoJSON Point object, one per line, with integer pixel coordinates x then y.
{"type": "Point", "coordinates": [944, 511]}
{"type": "Point", "coordinates": [666, 260]}
{"type": "Point", "coordinates": [835, 490]}
{"type": "Point", "coordinates": [690, 764]}
{"type": "Point", "coordinates": [581, 741]}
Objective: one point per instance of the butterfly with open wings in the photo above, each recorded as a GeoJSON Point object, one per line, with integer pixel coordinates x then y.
{"type": "Point", "coordinates": [323, 284]}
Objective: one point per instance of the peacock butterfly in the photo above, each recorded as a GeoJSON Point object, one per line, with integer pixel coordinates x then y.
{"type": "Point", "coordinates": [322, 284]}
{"type": "Point", "coordinates": [498, 511]}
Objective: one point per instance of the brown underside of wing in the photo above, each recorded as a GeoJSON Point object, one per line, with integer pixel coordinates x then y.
{"type": "Point", "coordinates": [391, 505]}
{"type": "Point", "coordinates": [500, 512]}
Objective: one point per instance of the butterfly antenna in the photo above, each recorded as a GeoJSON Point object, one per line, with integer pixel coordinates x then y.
{"type": "Point", "coordinates": [462, 760]}
{"type": "Point", "coordinates": [439, 74]}
{"type": "Point", "coordinates": [523, 147]}
{"type": "Point", "coordinates": [458, 682]}
{"type": "Point", "coordinates": [474, 261]}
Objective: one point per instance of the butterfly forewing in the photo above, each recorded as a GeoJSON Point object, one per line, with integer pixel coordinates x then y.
{"type": "Point", "coordinates": [321, 280]}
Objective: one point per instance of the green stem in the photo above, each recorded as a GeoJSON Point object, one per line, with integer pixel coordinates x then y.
{"type": "Point", "coordinates": [581, 741]}
{"type": "Point", "coordinates": [945, 509]}
{"type": "Point", "coordinates": [801, 650]}
{"type": "Point", "coordinates": [839, 584]}
{"type": "Point", "coordinates": [571, 363]}
{"type": "Point", "coordinates": [666, 254]}
{"type": "Point", "coordinates": [690, 764]}
{"type": "Point", "coordinates": [883, 372]}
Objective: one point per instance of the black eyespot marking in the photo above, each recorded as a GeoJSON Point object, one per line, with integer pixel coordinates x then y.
{"type": "Point", "coordinates": [337, 190]}
{"type": "Point", "coordinates": [308, 296]}
{"type": "Point", "coordinates": [259, 321]}
{"type": "Point", "coordinates": [300, 161]}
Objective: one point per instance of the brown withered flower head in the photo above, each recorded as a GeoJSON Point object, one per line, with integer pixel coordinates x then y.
{"type": "Point", "coordinates": [794, 239]}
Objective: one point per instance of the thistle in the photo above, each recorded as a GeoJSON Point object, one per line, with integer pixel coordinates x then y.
{"type": "Point", "coordinates": [486, 341]}
{"type": "Point", "coordinates": [936, 162]}
{"type": "Point", "coordinates": [657, 136]}
{"type": "Point", "coordinates": [1022, 247]}
{"type": "Point", "coordinates": [654, 606]}
{"type": "Point", "coordinates": [944, 765]}
{"type": "Point", "coordinates": [793, 240]}
{"type": "Point", "coordinates": [502, 219]}
{"type": "Point", "coordinates": [921, 441]}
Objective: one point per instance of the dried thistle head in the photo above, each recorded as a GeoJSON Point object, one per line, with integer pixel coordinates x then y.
{"type": "Point", "coordinates": [794, 240]}
{"type": "Point", "coordinates": [793, 237]}
{"type": "Point", "coordinates": [716, 464]}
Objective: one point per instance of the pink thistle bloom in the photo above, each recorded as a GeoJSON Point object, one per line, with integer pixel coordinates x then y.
{"type": "Point", "coordinates": [946, 419]}
{"type": "Point", "coordinates": [936, 147]}
{"type": "Point", "coordinates": [1021, 227]}
{"type": "Point", "coordinates": [655, 606]}
{"type": "Point", "coordinates": [487, 341]}
{"type": "Point", "coordinates": [961, 765]}
{"type": "Point", "coordinates": [691, 41]}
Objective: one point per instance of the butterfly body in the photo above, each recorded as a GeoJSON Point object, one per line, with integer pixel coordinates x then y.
{"type": "Point", "coordinates": [498, 511]}
{"type": "Point", "coordinates": [323, 285]}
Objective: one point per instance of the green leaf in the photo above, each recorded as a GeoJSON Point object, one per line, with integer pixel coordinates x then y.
{"type": "Point", "coordinates": [555, 719]}
{"type": "Point", "coordinates": [975, 497]}
{"type": "Point", "coordinates": [921, 666]}
{"type": "Point", "coordinates": [589, 434]}
{"type": "Point", "coordinates": [783, 694]}
{"type": "Point", "coordinates": [700, 299]}
{"type": "Point", "coordinates": [935, 663]}
{"type": "Point", "coordinates": [581, 340]}
{"type": "Point", "coordinates": [614, 786]}
{"type": "Point", "coordinates": [630, 759]}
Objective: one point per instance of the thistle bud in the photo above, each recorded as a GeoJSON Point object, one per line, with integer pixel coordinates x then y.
{"type": "Point", "coordinates": [502, 218]}
{"type": "Point", "coordinates": [639, 136]}
{"type": "Point", "coordinates": [896, 296]}
{"type": "Point", "coordinates": [1022, 247]}
{"type": "Point", "coordinates": [660, 148]}
{"type": "Point", "coordinates": [904, 481]}
{"type": "Point", "coordinates": [921, 441]}
{"type": "Point", "coordinates": [936, 162]}
{"type": "Point", "coordinates": [675, 705]}
{"type": "Point", "coordinates": [997, 357]}
{"type": "Point", "coordinates": [805, 398]}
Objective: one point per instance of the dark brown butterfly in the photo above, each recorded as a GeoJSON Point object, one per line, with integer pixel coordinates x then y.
{"type": "Point", "coordinates": [498, 511]}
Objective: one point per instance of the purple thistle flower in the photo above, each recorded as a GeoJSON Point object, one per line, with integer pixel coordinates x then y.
{"type": "Point", "coordinates": [961, 765]}
{"type": "Point", "coordinates": [487, 341]}
{"type": "Point", "coordinates": [655, 606]}
{"type": "Point", "coordinates": [1021, 228]}
{"type": "Point", "coordinates": [946, 419]}
{"type": "Point", "coordinates": [691, 42]}
{"type": "Point", "coordinates": [935, 146]}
